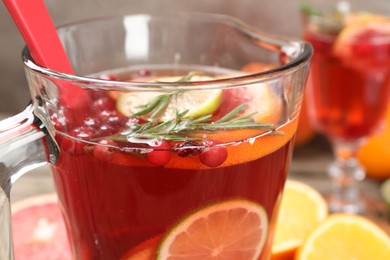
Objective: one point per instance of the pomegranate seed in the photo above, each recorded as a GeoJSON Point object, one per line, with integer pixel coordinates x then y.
{"type": "Point", "coordinates": [161, 155]}
{"type": "Point", "coordinates": [213, 156]}
{"type": "Point", "coordinates": [102, 151]}
{"type": "Point", "coordinates": [189, 148]}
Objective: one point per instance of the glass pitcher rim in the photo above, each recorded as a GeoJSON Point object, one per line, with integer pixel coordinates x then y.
{"type": "Point", "coordinates": [302, 50]}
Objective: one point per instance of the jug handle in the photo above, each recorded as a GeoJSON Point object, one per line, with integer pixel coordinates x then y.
{"type": "Point", "coordinates": [24, 145]}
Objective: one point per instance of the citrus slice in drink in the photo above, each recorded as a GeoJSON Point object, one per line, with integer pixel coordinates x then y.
{"type": "Point", "coordinates": [343, 236]}
{"type": "Point", "coordinates": [233, 229]}
{"type": "Point", "coordinates": [363, 38]}
{"type": "Point", "coordinates": [144, 251]}
{"type": "Point", "coordinates": [197, 102]}
{"type": "Point", "coordinates": [302, 209]}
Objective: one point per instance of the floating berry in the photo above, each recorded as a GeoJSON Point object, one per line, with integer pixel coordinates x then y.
{"type": "Point", "coordinates": [213, 155]}
{"type": "Point", "coordinates": [102, 151]}
{"type": "Point", "coordinates": [189, 148]}
{"type": "Point", "coordinates": [161, 155]}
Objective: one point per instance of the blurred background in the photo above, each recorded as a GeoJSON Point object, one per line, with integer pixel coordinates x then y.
{"type": "Point", "coordinates": [277, 17]}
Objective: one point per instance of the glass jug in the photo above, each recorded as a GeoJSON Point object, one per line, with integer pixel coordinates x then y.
{"type": "Point", "coordinates": [171, 136]}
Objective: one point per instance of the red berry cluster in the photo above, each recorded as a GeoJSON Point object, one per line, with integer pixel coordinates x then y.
{"type": "Point", "coordinates": [103, 120]}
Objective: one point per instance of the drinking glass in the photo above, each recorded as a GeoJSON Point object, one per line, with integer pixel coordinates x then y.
{"type": "Point", "coordinates": [161, 144]}
{"type": "Point", "coordinates": [349, 88]}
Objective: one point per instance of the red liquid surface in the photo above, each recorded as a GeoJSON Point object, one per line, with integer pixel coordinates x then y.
{"type": "Point", "coordinates": [348, 95]}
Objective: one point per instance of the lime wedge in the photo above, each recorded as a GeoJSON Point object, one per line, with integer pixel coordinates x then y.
{"type": "Point", "coordinates": [197, 103]}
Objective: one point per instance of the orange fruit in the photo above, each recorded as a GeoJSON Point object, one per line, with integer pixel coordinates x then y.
{"type": "Point", "coordinates": [302, 209]}
{"type": "Point", "coordinates": [374, 154]}
{"type": "Point", "coordinates": [345, 237]}
{"type": "Point", "coordinates": [233, 229]}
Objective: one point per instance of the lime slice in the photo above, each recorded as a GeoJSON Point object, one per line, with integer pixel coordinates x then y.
{"type": "Point", "coordinates": [197, 102]}
{"type": "Point", "coordinates": [385, 191]}
{"type": "Point", "coordinates": [232, 229]}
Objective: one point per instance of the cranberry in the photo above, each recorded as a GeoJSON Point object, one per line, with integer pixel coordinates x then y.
{"type": "Point", "coordinates": [213, 155]}
{"type": "Point", "coordinates": [103, 151]}
{"type": "Point", "coordinates": [189, 148]}
{"type": "Point", "coordinates": [161, 155]}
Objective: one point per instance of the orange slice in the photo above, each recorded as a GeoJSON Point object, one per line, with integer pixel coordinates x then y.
{"type": "Point", "coordinates": [344, 236]}
{"type": "Point", "coordinates": [302, 209]}
{"type": "Point", "coordinates": [144, 251]}
{"type": "Point", "coordinates": [233, 229]}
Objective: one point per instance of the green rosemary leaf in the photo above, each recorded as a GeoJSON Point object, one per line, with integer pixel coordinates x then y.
{"type": "Point", "coordinates": [232, 113]}
{"type": "Point", "coordinates": [202, 119]}
{"type": "Point", "coordinates": [151, 105]}
{"type": "Point", "coordinates": [248, 118]}
{"type": "Point", "coordinates": [243, 125]}
{"type": "Point", "coordinates": [160, 127]}
{"type": "Point", "coordinates": [161, 105]}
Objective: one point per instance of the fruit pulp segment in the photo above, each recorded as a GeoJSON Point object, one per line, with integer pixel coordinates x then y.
{"type": "Point", "coordinates": [110, 208]}
{"type": "Point", "coordinates": [348, 94]}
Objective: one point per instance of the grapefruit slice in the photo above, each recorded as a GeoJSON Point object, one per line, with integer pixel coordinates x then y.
{"type": "Point", "coordinates": [232, 229]}
{"type": "Point", "coordinates": [38, 229]}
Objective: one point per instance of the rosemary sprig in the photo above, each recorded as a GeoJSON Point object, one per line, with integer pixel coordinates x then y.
{"type": "Point", "coordinates": [182, 127]}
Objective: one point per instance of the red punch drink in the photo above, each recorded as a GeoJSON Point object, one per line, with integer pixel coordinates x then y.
{"type": "Point", "coordinates": [349, 73]}
{"type": "Point", "coordinates": [176, 151]}
{"type": "Point", "coordinates": [138, 183]}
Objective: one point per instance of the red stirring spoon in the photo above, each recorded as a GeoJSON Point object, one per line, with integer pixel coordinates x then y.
{"type": "Point", "coordinates": [38, 31]}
